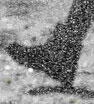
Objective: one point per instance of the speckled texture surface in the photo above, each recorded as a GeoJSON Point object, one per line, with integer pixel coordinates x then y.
{"type": "Point", "coordinates": [58, 58]}
{"type": "Point", "coordinates": [17, 84]}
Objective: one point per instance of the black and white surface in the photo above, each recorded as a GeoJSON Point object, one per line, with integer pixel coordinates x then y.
{"type": "Point", "coordinates": [59, 56]}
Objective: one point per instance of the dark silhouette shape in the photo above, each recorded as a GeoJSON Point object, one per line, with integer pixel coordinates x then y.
{"type": "Point", "coordinates": [58, 57]}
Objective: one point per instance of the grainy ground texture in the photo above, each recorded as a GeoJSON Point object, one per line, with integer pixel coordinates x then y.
{"type": "Point", "coordinates": [31, 23]}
